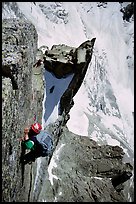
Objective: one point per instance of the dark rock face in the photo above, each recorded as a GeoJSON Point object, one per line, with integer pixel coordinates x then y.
{"type": "Point", "coordinates": [19, 46]}
{"type": "Point", "coordinates": [59, 60]}
{"type": "Point", "coordinates": [83, 55]}
{"type": "Point", "coordinates": [121, 178]}
{"type": "Point", "coordinates": [7, 71]}
{"type": "Point", "coordinates": [128, 11]}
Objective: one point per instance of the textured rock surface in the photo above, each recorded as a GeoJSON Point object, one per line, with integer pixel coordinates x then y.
{"type": "Point", "coordinates": [19, 46]}
{"type": "Point", "coordinates": [63, 60]}
{"type": "Point", "coordinates": [83, 170]}
{"type": "Point", "coordinates": [59, 60]}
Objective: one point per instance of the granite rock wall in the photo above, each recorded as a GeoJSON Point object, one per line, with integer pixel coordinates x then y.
{"type": "Point", "coordinates": [21, 98]}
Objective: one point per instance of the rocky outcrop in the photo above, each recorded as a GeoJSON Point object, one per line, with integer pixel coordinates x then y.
{"type": "Point", "coordinates": [63, 60]}
{"type": "Point", "coordinates": [128, 11]}
{"type": "Point", "coordinates": [59, 60]}
{"type": "Point", "coordinates": [82, 56]}
{"type": "Point", "coordinates": [22, 96]}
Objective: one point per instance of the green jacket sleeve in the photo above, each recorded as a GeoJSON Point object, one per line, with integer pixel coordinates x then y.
{"type": "Point", "coordinates": [29, 144]}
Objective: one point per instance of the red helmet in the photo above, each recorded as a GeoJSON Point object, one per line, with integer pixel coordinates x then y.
{"type": "Point", "coordinates": [36, 127]}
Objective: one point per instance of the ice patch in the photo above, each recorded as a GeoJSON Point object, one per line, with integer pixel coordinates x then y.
{"type": "Point", "coordinates": [96, 177]}
{"type": "Point", "coordinates": [60, 193]}
{"type": "Point", "coordinates": [78, 124]}
{"type": "Point", "coordinates": [43, 200]}
{"type": "Point", "coordinates": [38, 161]}
{"type": "Point", "coordinates": [126, 152]}
{"type": "Point", "coordinates": [54, 164]}
{"type": "Point", "coordinates": [110, 141]}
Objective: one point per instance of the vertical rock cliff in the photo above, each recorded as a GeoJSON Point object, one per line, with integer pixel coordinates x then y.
{"type": "Point", "coordinates": [22, 96]}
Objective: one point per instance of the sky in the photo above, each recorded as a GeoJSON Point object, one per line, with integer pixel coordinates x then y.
{"type": "Point", "coordinates": [72, 23]}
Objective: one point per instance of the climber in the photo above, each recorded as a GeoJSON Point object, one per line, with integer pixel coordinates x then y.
{"type": "Point", "coordinates": [37, 141]}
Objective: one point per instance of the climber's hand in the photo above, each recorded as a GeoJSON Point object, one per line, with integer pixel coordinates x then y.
{"type": "Point", "coordinates": [26, 130]}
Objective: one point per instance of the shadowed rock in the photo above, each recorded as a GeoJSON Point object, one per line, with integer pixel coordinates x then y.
{"type": "Point", "coordinates": [121, 178]}
{"type": "Point", "coordinates": [82, 56]}
{"type": "Point", "coordinates": [7, 72]}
